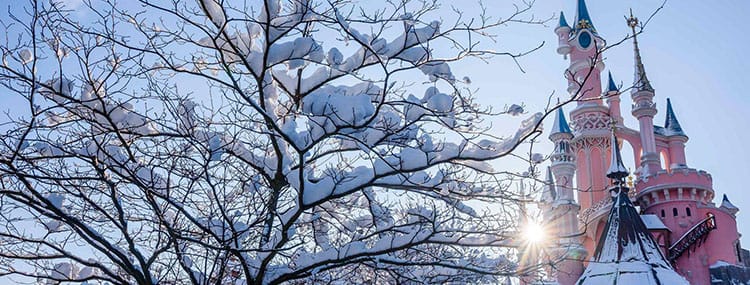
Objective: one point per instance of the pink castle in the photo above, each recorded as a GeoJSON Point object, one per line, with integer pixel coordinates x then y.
{"type": "Point", "coordinates": [613, 232]}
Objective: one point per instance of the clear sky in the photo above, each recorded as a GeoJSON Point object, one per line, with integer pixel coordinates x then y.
{"type": "Point", "coordinates": [695, 53]}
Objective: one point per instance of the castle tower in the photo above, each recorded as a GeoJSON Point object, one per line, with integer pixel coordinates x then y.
{"type": "Point", "coordinates": [564, 210]}
{"type": "Point", "coordinates": [679, 228]}
{"type": "Point", "coordinates": [701, 235]}
{"type": "Point", "coordinates": [644, 109]}
{"type": "Point", "coordinates": [625, 252]}
{"type": "Point", "coordinates": [590, 118]}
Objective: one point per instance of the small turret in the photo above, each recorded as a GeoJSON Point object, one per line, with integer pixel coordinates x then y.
{"type": "Point", "coordinates": [562, 158]}
{"type": "Point", "coordinates": [613, 100]}
{"type": "Point", "coordinates": [671, 125]}
{"type": "Point", "coordinates": [563, 36]}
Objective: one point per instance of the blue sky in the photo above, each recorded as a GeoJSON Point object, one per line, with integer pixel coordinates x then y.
{"type": "Point", "coordinates": [694, 53]}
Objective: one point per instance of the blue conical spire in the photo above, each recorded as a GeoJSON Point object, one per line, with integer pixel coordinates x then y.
{"type": "Point", "coordinates": [612, 86]}
{"type": "Point", "coordinates": [561, 125]}
{"type": "Point", "coordinates": [563, 22]}
{"type": "Point", "coordinates": [671, 123]}
{"type": "Point", "coordinates": [583, 20]}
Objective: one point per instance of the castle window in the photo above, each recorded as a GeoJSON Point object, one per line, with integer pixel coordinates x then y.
{"type": "Point", "coordinates": [674, 212]}
{"type": "Point", "coordinates": [662, 213]}
{"type": "Point", "coordinates": [687, 211]}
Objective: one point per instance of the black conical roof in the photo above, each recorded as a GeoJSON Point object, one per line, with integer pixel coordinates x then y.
{"type": "Point", "coordinates": [626, 253]}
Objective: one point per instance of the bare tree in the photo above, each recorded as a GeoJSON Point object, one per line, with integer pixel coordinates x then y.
{"type": "Point", "coordinates": [164, 142]}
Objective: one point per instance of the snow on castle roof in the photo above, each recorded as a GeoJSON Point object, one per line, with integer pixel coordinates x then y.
{"type": "Point", "coordinates": [626, 253]}
{"type": "Point", "coordinates": [653, 222]}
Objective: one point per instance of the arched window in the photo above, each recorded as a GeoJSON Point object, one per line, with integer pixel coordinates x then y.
{"type": "Point", "coordinates": [662, 213]}
{"type": "Point", "coordinates": [674, 212]}
{"type": "Point", "coordinates": [687, 211]}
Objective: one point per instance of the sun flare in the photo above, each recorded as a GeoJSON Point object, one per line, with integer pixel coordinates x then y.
{"type": "Point", "coordinates": [534, 233]}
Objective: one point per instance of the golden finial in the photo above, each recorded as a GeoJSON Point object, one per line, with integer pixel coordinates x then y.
{"type": "Point", "coordinates": [630, 181]}
{"type": "Point", "coordinates": [583, 24]}
{"type": "Point", "coordinates": [632, 20]}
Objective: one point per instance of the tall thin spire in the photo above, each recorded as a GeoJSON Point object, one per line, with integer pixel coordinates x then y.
{"type": "Point", "coordinates": [583, 20]}
{"type": "Point", "coordinates": [640, 82]}
{"type": "Point", "coordinates": [670, 123]}
{"type": "Point", "coordinates": [617, 170]}
{"type": "Point", "coordinates": [549, 193]}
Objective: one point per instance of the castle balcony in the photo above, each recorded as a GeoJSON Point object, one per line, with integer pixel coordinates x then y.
{"type": "Point", "coordinates": [684, 184]}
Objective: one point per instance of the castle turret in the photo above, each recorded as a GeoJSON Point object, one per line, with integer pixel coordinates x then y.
{"type": "Point", "coordinates": [625, 251]}
{"type": "Point", "coordinates": [564, 210]}
{"type": "Point", "coordinates": [590, 118]}
{"type": "Point", "coordinates": [613, 100]}
{"type": "Point", "coordinates": [676, 138]}
{"type": "Point", "coordinates": [644, 108]}
{"type": "Point", "coordinates": [563, 159]}
{"type": "Point", "coordinates": [563, 36]}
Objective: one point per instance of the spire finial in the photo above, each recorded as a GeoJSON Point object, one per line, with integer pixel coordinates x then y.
{"type": "Point", "coordinates": [583, 20]}
{"type": "Point", "coordinates": [641, 82]}
{"type": "Point", "coordinates": [617, 170]}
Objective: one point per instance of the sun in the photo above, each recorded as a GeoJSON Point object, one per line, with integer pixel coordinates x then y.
{"type": "Point", "coordinates": [534, 233]}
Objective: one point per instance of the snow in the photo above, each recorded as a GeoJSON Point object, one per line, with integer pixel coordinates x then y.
{"type": "Point", "coordinates": [214, 11]}
{"type": "Point", "coordinates": [26, 56]}
{"type": "Point", "coordinates": [63, 271]}
{"type": "Point", "coordinates": [515, 110]}
{"type": "Point", "coordinates": [537, 158]}
{"type": "Point", "coordinates": [86, 272]}
{"type": "Point", "coordinates": [653, 222]}
{"type": "Point", "coordinates": [437, 101]}
{"type": "Point", "coordinates": [62, 88]}
{"type": "Point", "coordinates": [720, 263]}
{"type": "Point", "coordinates": [343, 106]}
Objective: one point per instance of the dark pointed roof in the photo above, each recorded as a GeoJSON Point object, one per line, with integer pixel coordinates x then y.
{"type": "Point", "coordinates": [560, 125]}
{"type": "Point", "coordinates": [640, 82]}
{"type": "Point", "coordinates": [612, 87]}
{"type": "Point", "coordinates": [626, 253]}
{"type": "Point", "coordinates": [583, 20]}
{"type": "Point", "coordinates": [617, 169]}
{"type": "Point", "coordinates": [670, 123]}
{"type": "Point", "coordinates": [725, 203]}
{"type": "Point", "coordinates": [563, 22]}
